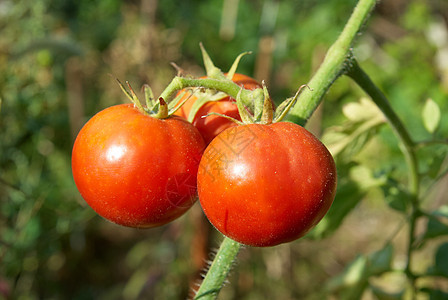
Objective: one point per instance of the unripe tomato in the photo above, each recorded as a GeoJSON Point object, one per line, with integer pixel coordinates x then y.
{"type": "Point", "coordinates": [136, 170]}
{"type": "Point", "coordinates": [212, 125]}
{"type": "Point", "coordinates": [263, 185]}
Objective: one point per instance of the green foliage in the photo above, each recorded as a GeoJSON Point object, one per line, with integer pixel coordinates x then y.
{"type": "Point", "coordinates": [352, 282]}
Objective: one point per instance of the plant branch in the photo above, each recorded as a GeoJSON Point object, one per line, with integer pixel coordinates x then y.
{"type": "Point", "coordinates": [229, 87]}
{"type": "Point", "coordinates": [407, 146]}
{"type": "Point", "coordinates": [216, 276]}
{"type": "Point", "coordinates": [334, 65]}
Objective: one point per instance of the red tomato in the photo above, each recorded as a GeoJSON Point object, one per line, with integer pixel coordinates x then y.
{"type": "Point", "coordinates": [212, 125]}
{"type": "Point", "coordinates": [263, 185]}
{"type": "Point", "coordinates": [136, 170]}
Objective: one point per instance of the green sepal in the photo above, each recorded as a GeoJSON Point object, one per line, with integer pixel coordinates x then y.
{"type": "Point", "coordinates": [235, 64]}
{"type": "Point", "coordinates": [162, 113]}
{"type": "Point", "coordinates": [267, 115]}
{"type": "Point", "coordinates": [149, 97]}
{"type": "Point", "coordinates": [204, 97]}
{"type": "Point", "coordinates": [224, 116]}
{"type": "Point", "coordinates": [211, 70]}
{"type": "Point", "coordinates": [245, 115]}
{"type": "Point", "coordinates": [174, 105]}
{"type": "Point", "coordinates": [283, 109]}
{"type": "Point", "coordinates": [157, 109]}
{"type": "Point", "coordinates": [131, 95]}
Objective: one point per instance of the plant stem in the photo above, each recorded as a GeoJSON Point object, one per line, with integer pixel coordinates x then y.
{"type": "Point", "coordinates": [216, 276]}
{"type": "Point", "coordinates": [364, 81]}
{"type": "Point", "coordinates": [334, 65]}
{"type": "Point", "coordinates": [408, 148]}
{"type": "Point", "coordinates": [227, 86]}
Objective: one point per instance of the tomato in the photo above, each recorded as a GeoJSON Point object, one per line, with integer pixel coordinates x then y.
{"type": "Point", "coordinates": [212, 125]}
{"type": "Point", "coordinates": [136, 170]}
{"type": "Point", "coordinates": [263, 185]}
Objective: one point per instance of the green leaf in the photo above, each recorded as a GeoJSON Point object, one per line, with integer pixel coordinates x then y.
{"type": "Point", "coordinates": [363, 110]}
{"type": "Point", "coordinates": [396, 197]}
{"type": "Point", "coordinates": [348, 139]}
{"type": "Point", "coordinates": [351, 283]}
{"type": "Point", "coordinates": [363, 176]}
{"type": "Point", "coordinates": [431, 115]}
{"type": "Point", "coordinates": [436, 162]}
{"type": "Point", "coordinates": [437, 223]}
{"type": "Point", "coordinates": [441, 211]}
{"type": "Point", "coordinates": [348, 196]}
{"type": "Point", "coordinates": [435, 294]}
{"type": "Point", "coordinates": [384, 295]}
{"type": "Point", "coordinates": [435, 228]}
{"type": "Point", "coordinates": [441, 260]}
{"type": "Point", "coordinates": [381, 260]}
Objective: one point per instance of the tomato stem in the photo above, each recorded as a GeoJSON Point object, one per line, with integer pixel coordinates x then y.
{"type": "Point", "coordinates": [334, 65]}
{"type": "Point", "coordinates": [219, 269]}
{"type": "Point", "coordinates": [248, 97]}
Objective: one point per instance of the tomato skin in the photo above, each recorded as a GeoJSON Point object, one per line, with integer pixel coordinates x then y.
{"type": "Point", "coordinates": [136, 170]}
{"type": "Point", "coordinates": [263, 185]}
{"type": "Point", "coordinates": [212, 125]}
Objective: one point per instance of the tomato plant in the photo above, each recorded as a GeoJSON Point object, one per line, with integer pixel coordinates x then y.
{"type": "Point", "coordinates": [263, 185]}
{"type": "Point", "coordinates": [136, 170]}
{"type": "Point", "coordinates": [212, 125]}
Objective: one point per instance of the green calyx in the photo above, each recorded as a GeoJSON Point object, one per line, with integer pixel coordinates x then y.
{"type": "Point", "coordinates": [157, 108]}
{"type": "Point", "coordinates": [254, 106]}
{"type": "Point", "coordinates": [263, 111]}
{"type": "Point", "coordinates": [205, 95]}
{"type": "Point", "coordinates": [283, 109]}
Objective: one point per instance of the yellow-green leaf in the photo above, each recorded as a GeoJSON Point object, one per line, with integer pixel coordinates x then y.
{"type": "Point", "coordinates": [431, 115]}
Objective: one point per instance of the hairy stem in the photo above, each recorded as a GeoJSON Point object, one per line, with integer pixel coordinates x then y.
{"type": "Point", "coordinates": [334, 65]}
{"type": "Point", "coordinates": [216, 276]}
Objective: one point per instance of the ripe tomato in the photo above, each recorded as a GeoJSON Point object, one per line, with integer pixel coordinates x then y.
{"type": "Point", "coordinates": [212, 125]}
{"type": "Point", "coordinates": [136, 170]}
{"type": "Point", "coordinates": [264, 185]}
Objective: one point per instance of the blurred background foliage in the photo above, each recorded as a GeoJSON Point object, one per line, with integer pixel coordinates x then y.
{"type": "Point", "coordinates": [58, 61]}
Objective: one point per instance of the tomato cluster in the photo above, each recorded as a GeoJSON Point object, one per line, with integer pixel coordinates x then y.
{"type": "Point", "coordinates": [260, 184]}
